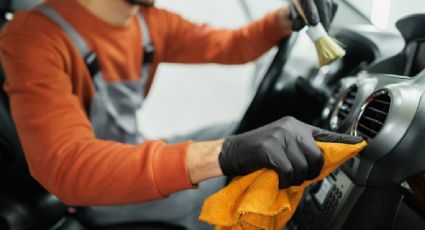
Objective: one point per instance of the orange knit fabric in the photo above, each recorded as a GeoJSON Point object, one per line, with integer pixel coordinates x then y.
{"type": "Point", "coordinates": [254, 201]}
{"type": "Point", "coordinates": [50, 91]}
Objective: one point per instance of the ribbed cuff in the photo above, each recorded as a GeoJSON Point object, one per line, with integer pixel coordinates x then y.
{"type": "Point", "coordinates": [170, 168]}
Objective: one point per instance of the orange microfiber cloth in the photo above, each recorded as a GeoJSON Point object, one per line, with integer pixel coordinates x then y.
{"type": "Point", "coordinates": [254, 201]}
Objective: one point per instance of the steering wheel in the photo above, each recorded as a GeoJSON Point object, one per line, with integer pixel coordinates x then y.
{"type": "Point", "coordinates": [268, 82]}
{"type": "Point", "coordinates": [279, 96]}
{"type": "Point", "coordinates": [293, 97]}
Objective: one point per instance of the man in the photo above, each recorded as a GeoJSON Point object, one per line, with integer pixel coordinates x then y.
{"type": "Point", "coordinates": [78, 70]}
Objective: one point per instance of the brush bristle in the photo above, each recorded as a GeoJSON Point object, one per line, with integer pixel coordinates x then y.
{"type": "Point", "coordinates": [328, 50]}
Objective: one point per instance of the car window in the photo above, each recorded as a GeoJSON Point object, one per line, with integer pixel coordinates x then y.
{"type": "Point", "coordinates": [384, 13]}
{"type": "Point", "coordinates": [255, 9]}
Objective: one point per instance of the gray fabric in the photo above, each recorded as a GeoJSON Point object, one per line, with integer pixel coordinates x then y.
{"type": "Point", "coordinates": [214, 132]}
{"type": "Point", "coordinates": [23, 4]}
{"type": "Point", "coordinates": [113, 110]}
{"type": "Point", "coordinates": [182, 208]}
{"type": "Point", "coordinates": [144, 29]}
{"type": "Point", "coordinates": [15, 5]}
{"type": "Point", "coordinates": [75, 37]}
{"type": "Point", "coordinates": [114, 105]}
{"type": "Point", "coordinates": [147, 42]}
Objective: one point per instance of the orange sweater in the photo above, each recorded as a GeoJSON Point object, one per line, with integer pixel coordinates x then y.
{"type": "Point", "coordinates": [50, 89]}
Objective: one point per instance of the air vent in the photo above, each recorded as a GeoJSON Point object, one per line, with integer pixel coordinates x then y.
{"type": "Point", "coordinates": [343, 107]}
{"type": "Point", "coordinates": [373, 115]}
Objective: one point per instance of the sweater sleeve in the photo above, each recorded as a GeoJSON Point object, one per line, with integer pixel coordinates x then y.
{"type": "Point", "coordinates": [60, 147]}
{"type": "Point", "coordinates": [187, 42]}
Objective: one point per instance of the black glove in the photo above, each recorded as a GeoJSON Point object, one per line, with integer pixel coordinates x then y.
{"type": "Point", "coordinates": [315, 11]}
{"type": "Point", "coordinates": [286, 146]}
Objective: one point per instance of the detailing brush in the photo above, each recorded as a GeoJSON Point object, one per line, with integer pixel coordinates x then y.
{"type": "Point", "coordinates": [328, 50]}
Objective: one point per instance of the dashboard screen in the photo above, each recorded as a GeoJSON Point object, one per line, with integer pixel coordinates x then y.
{"type": "Point", "coordinates": [419, 60]}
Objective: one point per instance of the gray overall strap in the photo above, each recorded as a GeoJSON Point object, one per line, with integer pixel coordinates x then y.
{"type": "Point", "coordinates": [89, 57]}
{"type": "Point", "coordinates": [148, 47]}
{"type": "Point", "coordinates": [75, 37]}
{"type": "Point", "coordinates": [146, 38]}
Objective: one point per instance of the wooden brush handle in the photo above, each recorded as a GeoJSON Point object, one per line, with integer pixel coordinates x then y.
{"type": "Point", "coordinates": [300, 10]}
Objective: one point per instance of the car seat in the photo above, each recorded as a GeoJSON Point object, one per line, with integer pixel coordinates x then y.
{"type": "Point", "coordinates": [25, 204]}
{"type": "Point", "coordinates": [399, 64]}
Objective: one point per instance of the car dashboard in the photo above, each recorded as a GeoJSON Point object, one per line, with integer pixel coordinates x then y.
{"type": "Point", "coordinates": [384, 186]}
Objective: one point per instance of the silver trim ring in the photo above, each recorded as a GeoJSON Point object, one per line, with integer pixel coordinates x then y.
{"type": "Point", "coordinates": [334, 121]}
{"type": "Point", "coordinates": [363, 108]}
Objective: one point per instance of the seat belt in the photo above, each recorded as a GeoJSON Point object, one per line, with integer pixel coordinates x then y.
{"type": "Point", "coordinates": [90, 57]}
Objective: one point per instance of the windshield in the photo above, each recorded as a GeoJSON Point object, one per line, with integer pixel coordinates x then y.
{"type": "Point", "coordinates": [384, 13]}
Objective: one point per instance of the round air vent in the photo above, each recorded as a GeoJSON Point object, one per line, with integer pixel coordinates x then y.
{"type": "Point", "coordinates": [373, 114]}
{"type": "Point", "coordinates": [343, 107]}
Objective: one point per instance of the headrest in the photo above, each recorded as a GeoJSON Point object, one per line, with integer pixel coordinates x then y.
{"type": "Point", "coordinates": [5, 5]}
{"type": "Point", "coordinates": [411, 27]}
{"type": "Point", "coordinates": [15, 5]}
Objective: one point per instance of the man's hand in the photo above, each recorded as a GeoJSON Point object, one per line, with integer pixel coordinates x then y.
{"type": "Point", "coordinates": [286, 146]}
{"type": "Point", "coordinates": [314, 11]}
